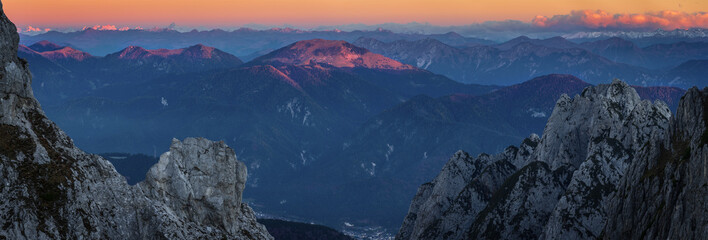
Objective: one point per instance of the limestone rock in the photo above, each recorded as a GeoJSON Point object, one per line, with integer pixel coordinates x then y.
{"type": "Point", "coordinates": [618, 124]}
{"type": "Point", "coordinates": [665, 192]}
{"type": "Point", "coordinates": [205, 178]}
{"type": "Point", "coordinates": [447, 205]}
{"type": "Point", "coordinates": [558, 188]}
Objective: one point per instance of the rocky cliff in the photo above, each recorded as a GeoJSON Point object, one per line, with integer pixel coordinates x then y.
{"type": "Point", "coordinates": [49, 189]}
{"type": "Point", "coordinates": [197, 187]}
{"type": "Point", "coordinates": [446, 207]}
{"type": "Point", "coordinates": [665, 192]}
{"type": "Point", "coordinates": [553, 187]}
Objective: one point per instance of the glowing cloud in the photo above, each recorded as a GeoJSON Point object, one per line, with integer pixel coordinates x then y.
{"type": "Point", "coordinates": [598, 19]}
{"type": "Point", "coordinates": [31, 29]}
{"type": "Point", "coordinates": [103, 28]}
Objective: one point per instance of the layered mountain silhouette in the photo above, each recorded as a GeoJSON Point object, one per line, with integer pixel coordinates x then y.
{"type": "Point", "coordinates": [281, 118]}
{"type": "Point", "coordinates": [506, 66]}
{"type": "Point", "coordinates": [522, 58]}
{"type": "Point", "coordinates": [315, 99]}
{"type": "Point", "coordinates": [554, 42]}
{"type": "Point", "coordinates": [639, 61]}
{"type": "Point", "coordinates": [44, 46]}
{"type": "Point", "coordinates": [618, 50]}
{"type": "Point", "coordinates": [194, 52]}
{"type": "Point", "coordinates": [240, 42]}
{"type": "Point", "coordinates": [691, 72]}
{"type": "Point", "coordinates": [643, 38]}
{"type": "Point", "coordinates": [350, 127]}
{"type": "Point", "coordinates": [55, 52]}
{"type": "Point", "coordinates": [653, 56]}
{"type": "Point", "coordinates": [63, 72]}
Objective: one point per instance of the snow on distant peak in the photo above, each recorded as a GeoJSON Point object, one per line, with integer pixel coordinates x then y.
{"type": "Point", "coordinates": [685, 33]}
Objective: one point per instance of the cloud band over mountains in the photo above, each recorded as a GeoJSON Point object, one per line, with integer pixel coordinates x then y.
{"type": "Point", "coordinates": [598, 19]}
{"type": "Point", "coordinates": [575, 21]}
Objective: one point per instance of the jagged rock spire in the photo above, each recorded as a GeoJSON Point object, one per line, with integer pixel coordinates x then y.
{"type": "Point", "coordinates": [558, 189]}
{"type": "Point", "coordinates": [665, 192]}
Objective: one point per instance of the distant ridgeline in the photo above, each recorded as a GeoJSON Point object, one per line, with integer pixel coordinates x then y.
{"type": "Point", "coordinates": [639, 58]}
{"type": "Point", "coordinates": [355, 124]}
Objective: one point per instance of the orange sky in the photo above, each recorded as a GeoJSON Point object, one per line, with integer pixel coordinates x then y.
{"type": "Point", "coordinates": [148, 13]}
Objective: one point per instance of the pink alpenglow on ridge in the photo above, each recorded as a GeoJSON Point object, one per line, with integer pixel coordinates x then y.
{"type": "Point", "coordinates": [197, 51]}
{"type": "Point", "coordinates": [339, 54]}
{"type": "Point", "coordinates": [66, 53]}
{"type": "Point", "coordinates": [53, 51]}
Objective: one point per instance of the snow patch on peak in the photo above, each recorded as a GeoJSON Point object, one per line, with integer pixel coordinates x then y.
{"type": "Point", "coordinates": [389, 151]}
{"type": "Point", "coordinates": [163, 101]}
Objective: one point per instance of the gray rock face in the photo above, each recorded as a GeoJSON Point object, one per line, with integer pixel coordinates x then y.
{"type": "Point", "coordinates": [665, 192]}
{"type": "Point", "coordinates": [559, 188]}
{"type": "Point", "coordinates": [445, 207]}
{"type": "Point", "coordinates": [618, 124]}
{"type": "Point", "coordinates": [433, 198]}
{"type": "Point", "coordinates": [49, 189]}
{"type": "Point", "coordinates": [205, 178]}
{"type": "Point", "coordinates": [522, 205]}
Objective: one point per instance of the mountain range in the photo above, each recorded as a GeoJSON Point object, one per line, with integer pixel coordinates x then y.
{"type": "Point", "coordinates": [350, 127]}
{"type": "Point", "coordinates": [283, 115]}
{"type": "Point", "coordinates": [247, 40]}
{"type": "Point", "coordinates": [643, 38]}
{"type": "Point", "coordinates": [62, 72]}
{"type": "Point", "coordinates": [464, 59]}
{"type": "Point", "coordinates": [522, 58]}
{"type": "Point", "coordinates": [240, 42]}
{"type": "Point", "coordinates": [620, 50]}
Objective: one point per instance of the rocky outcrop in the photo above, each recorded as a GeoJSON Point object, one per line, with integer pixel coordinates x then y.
{"type": "Point", "coordinates": [617, 123]}
{"type": "Point", "coordinates": [49, 189]}
{"type": "Point", "coordinates": [665, 192]}
{"type": "Point", "coordinates": [197, 186]}
{"type": "Point", "coordinates": [447, 205]}
{"type": "Point", "coordinates": [433, 198]}
{"type": "Point", "coordinates": [559, 188]}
